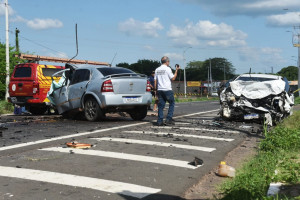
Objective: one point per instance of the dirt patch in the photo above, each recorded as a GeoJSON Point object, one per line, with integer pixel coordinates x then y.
{"type": "Point", "coordinates": [206, 188]}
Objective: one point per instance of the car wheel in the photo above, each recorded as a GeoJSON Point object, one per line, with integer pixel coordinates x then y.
{"type": "Point", "coordinates": [92, 111]}
{"type": "Point", "coordinates": [138, 113]}
{"type": "Point", "coordinates": [37, 110]}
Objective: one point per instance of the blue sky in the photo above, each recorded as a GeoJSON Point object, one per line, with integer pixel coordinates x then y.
{"type": "Point", "coordinates": [249, 33]}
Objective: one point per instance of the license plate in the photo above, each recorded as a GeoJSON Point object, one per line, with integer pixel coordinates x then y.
{"type": "Point", "coordinates": [251, 116]}
{"type": "Point", "coordinates": [13, 99]}
{"type": "Point", "coordinates": [131, 99]}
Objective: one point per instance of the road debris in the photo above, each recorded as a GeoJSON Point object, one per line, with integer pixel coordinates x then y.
{"type": "Point", "coordinates": [77, 145]}
{"type": "Point", "coordinates": [197, 161]}
{"type": "Point", "coordinates": [225, 170]}
{"type": "Point", "coordinates": [245, 127]}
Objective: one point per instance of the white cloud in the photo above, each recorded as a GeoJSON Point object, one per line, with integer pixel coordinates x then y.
{"type": "Point", "coordinates": [147, 47]}
{"type": "Point", "coordinates": [271, 4]}
{"type": "Point", "coordinates": [174, 56]}
{"type": "Point", "coordinates": [207, 33]}
{"type": "Point", "coordinates": [246, 7]}
{"type": "Point", "coordinates": [261, 56]}
{"type": "Point", "coordinates": [2, 9]}
{"type": "Point", "coordinates": [135, 27]}
{"type": "Point", "coordinates": [18, 19]}
{"type": "Point", "coordinates": [58, 55]}
{"type": "Point", "coordinates": [40, 24]}
{"type": "Point", "coordinates": [288, 19]}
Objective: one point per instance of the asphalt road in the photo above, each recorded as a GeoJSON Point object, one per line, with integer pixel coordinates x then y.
{"type": "Point", "coordinates": [128, 159]}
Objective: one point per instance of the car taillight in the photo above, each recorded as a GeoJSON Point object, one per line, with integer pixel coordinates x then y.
{"type": "Point", "coordinates": [148, 88]}
{"type": "Point", "coordinates": [107, 86]}
{"type": "Point", "coordinates": [35, 89]}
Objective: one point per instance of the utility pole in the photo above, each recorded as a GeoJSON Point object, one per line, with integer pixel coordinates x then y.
{"type": "Point", "coordinates": [17, 40]}
{"type": "Point", "coordinates": [184, 75]}
{"type": "Point", "coordinates": [272, 70]}
{"type": "Point", "coordinates": [224, 73]}
{"type": "Point", "coordinates": [210, 76]}
{"type": "Point", "coordinates": [297, 44]}
{"type": "Point", "coordinates": [7, 50]}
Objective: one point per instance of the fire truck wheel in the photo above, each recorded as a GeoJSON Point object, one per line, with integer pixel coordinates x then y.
{"type": "Point", "coordinates": [37, 110]}
{"type": "Point", "coordinates": [92, 110]}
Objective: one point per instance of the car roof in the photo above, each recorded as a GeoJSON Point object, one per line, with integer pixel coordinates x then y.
{"type": "Point", "coordinates": [271, 76]}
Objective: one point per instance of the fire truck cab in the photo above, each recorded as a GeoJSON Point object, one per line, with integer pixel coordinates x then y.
{"type": "Point", "coordinates": [29, 84]}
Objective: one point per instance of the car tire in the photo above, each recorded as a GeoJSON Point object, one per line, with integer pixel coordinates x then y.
{"type": "Point", "coordinates": [92, 110]}
{"type": "Point", "coordinates": [37, 110]}
{"type": "Point", "coordinates": [139, 113]}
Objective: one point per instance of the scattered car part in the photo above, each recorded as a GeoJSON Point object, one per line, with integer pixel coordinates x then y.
{"type": "Point", "coordinates": [77, 145]}
{"type": "Point", "coordinates": [225, 170]}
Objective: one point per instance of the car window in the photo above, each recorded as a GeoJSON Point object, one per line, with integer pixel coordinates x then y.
{"type": "Point", "coordinates": [80, 75]}
{"type": "Point", "coordinates": [258, 79]}
{"type": "Point", "coordinates": [110, 71]}
{"type": "Point", "coordinates": [22, 72]}
{"type": "Point", "coordinates": [50, 71]}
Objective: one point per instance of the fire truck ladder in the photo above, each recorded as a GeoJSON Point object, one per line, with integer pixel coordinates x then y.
{"type": "Point", "coordinates": [36, 58]}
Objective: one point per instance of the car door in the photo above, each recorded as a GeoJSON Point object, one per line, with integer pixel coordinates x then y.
{"type": "Point", "coordinates": [78, 87]}
{"type": "Point", "coordinates": [59, 94]}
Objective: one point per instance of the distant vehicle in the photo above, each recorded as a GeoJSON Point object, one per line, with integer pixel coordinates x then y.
{"type": "Point", "coordinates": [29, 84]}
{"type": "Point", "coordinates": [98, 90]}
{"type": "Point", "coordinates": [257, 97]}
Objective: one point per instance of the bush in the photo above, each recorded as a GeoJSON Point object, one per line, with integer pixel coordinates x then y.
{"type": "Point", "coordinates": [6, 107]}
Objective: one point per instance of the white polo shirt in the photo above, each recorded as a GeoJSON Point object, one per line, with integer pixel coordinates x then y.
{"type": "Point", "coordinates": [163, 76]}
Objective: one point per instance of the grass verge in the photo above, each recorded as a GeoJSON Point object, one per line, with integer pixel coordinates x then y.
{"type": "Point", "coordinates": [182, 99]}
{"type": "Point", "coordinates": [278, 151]}
{"type": "Point", "coordinates": [297, 100]}
{"type": "Point", "coordinates": [5, 107]}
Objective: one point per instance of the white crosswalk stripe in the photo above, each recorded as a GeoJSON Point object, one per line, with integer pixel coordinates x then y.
{"type": "Point", "coordinates": [163, 144]}
{"type": "Point", "coordinates": [180, 135]}
{"type": "Point", "coordinates": [194, 129]}
{"type": "Point", "coordinates": [110, 186]}
{"type": "Point", "coordinates": [125, 156]}
{"type": "Point", "coordinates": [78, 181]}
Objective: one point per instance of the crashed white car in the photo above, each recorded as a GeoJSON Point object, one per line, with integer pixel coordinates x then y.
{"type": "Point", "coordinates": [257, 97]}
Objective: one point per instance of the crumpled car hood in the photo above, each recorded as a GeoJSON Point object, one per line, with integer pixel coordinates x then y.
{"type": "Point", "coordinates": [257, 90]}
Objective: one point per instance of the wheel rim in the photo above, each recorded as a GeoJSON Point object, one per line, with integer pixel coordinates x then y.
{"type": "Point", "coordinates": [91, 109]}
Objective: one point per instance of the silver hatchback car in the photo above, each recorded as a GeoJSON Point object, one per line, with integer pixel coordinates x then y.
{"type": "Point", "coordinates": [97, 90]}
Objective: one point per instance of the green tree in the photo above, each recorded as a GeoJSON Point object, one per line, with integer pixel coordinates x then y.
{"type": "Point", "coordinates": [290, 72]}
{"type": "Point", "coordinates": [198, 70]}
{"type": "Point", "coordinates": [141, 66]}
{"type": "Point", "coordinates": [13, 62]}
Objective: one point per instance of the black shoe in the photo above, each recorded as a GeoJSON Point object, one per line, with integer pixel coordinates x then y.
{"type": "Point", "coordinates": [159, 124]}
{"type": "Point", "coordinates": [169, 122]}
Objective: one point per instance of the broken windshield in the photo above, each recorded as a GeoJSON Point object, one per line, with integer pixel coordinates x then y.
{"type": "Point", "coordinates": [257, 79]}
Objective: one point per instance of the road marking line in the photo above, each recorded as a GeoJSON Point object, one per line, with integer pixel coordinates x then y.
{"type": "Point", "coordinates": [195, 129]}
{"type": "Point", "coordinates": [88, 133]}
{"type": "Point", "coordinates": [182, 123]}
{"type": "Point", "coordinates": [79, 181]}
{"type": "Point", "coordinates": [198, 113]}
{"type": "Point", "coordinates": [181, 135]}
{"type": "Point", "coordinates": [68, 136]}
{"type": "Point", "coordinates": [163, 144]}
{"type": "Point", "coordinates": [125, 156]}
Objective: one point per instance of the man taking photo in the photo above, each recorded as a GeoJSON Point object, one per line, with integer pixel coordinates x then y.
{"type": "Point", "coordinates": [162, 82]}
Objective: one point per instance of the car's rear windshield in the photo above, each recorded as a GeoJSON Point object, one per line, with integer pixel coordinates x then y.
{"type": "Point", "coordinates": [110, 71]}
{"type": "Point", "coordinates": [257, 79]}
{"type": "Point", "coordinates": [50, 71]}
{"type": "Point", "coordinates": [23, 72]}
